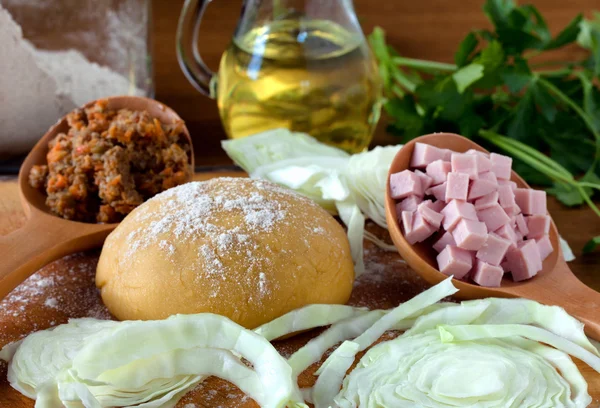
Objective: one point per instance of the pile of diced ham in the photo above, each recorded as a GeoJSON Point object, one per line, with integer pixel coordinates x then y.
{"type": "Point", "coordinates": [479, 222]}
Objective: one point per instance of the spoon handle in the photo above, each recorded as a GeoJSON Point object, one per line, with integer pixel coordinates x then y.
{"type": "Point", "coordinates": [36, 244]}
{"type": "Point", "coordinates": [576, 298]}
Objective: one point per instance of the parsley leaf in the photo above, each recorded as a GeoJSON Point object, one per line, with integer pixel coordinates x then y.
{"type": "Point", "coordinates": [591, 245]}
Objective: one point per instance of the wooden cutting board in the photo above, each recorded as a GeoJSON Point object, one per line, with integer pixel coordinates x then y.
{"type": "Point", "coordinates": [65, 289]}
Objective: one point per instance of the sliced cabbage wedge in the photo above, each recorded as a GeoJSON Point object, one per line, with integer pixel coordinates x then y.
{"type": "Point", "coordinates": [367, 177]}
{"type": "Point", "coordinates": [96, 363]}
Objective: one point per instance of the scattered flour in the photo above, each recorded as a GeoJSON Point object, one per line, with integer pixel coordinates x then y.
{"type": "Point", "coordinates": [192, 214]}
{"type": "Point", "coordinates": [39, 86]}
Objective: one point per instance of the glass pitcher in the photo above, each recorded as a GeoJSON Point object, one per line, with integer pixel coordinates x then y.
{"type": "Point", "coordinates": [303, 65]}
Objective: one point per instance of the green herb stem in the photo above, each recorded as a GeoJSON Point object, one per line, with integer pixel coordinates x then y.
{"type": "Point", "coordinates": [590, 185]}
{"type": "Point", "coordinates": [518, 149]}
{"type": "Point", "coordinates": [568, 101]}
{"type": "Point", "coordinates": [423, 64]}
{"type": "Point", "coordinates": [404, 81]}
{"type": "Point", "coordinates": [587, 199]}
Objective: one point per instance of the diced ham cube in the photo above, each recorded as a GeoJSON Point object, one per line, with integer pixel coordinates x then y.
{"type": "Point", "coordinates": [494, 217]}
{"type": "Point", "coordinates": [477, 153]}
{"type": "Point", "coordinates": [489, 176]}
{"type": "Point", "coordinates": [438, 171]}
{"type": "Point", "coordinates": [484, 164]}
{"type": "Point", "coordinates": [486, 201]}
{"type": "Point", "coordinates": [470, 234]}
{"type": "Point", "coordinates": [494, 249]}
{"type": "Point", "coordinates": [423, 154]}
{"type": "Point", "coordinates": [505, 266]}
{"type": "Point", "coordinates": [431, 216]}
{"type": "Point", "coordinates": [444, 241]}
{"type": "Point", "coordinates": [520, 237]}
{"type": "Point", "coordinates": [484, 185]}
{"type": "Point", "coordinates": [455, 211]}
{"type": "Point", "coordinates": [454, 261]}
{"type": "Point", "coordinates": [464, 163]}
{"type": "Point", "coordinates": [538, 225]}
{"type": "Point", "coordinates": [487, 275]}
{"type": "Point", "coordinates": [531, 202]}
{"type": "Point", "coordinates": [501, 166]}
{"type": "Point", "coordinates": [525, 261]}
{"type": "Point", "coordinates": [410, 203]}
{"type": "Point", "coordinates": [508, 233]}
{"type": "Point", "coordinates": [439, 191]}
{"type": "Point", "coordinates": [436, 206]}
{"type": "Point", "coordinates": [420, 230]}
{"type": "Point", "coordinates": [506, 196]}
{"type": "Point", "coordinates": [511, 211]}
{"type": "Point", "coordinates": [447, 154]}
{"type": "Point", "coordinates": [407, 220]}
{"type": "Point", "coordinates": [521, 224]}
{"type": "Point", "coordinates": [544, 246]}
{"type": "Point", "coordinates": [457, 186]}
{"type": "Point", "coordinates": [404, 184]}
{"type": "Point", "coordinates": [426, 181]}
{"type": "Point", "coordinates": [510, 183]}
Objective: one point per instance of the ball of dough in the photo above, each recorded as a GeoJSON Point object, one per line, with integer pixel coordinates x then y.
{"type": "Point", "coordinates": [246, 249]}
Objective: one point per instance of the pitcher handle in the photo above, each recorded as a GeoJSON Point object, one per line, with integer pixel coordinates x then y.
{"type": "Point", "coordinates": [188, 55]}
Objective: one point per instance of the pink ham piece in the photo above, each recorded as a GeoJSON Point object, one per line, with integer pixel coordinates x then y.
{"type": "Point", "coordinates": [538, 225]}
{"type": "Point", "coordinates": [501, 166]}
{"type": "Point", "coordinates": [525, 261]}
{"type": "Point", "coordinates": [512, 211]}
{"type": "Point", "coordinates": [457, 187]}
{"type": "Point", "coordinates": [506, 196]}
{"type": "Point", "coordinates": [484, 164]}
{"type": "Point", "coordinates": [465, 164]}
{"type": "Point", "coordinates": [470, 234]}
{"type": "Point", "coordinates": [486, 201]}
{"type": "Point", "coordinates": [404, 184]}
{"type": "Point", "coordinates": [430, 216]}
{"type": "Point", "coordinates": [487, 275]}
{"type": "Point", "coordinates": [455, 211]}
{"type": "Point", "coordinates": [505, 267]}
{"type": "Point", "coordinates": [438, 171]}
{"type": "Point", "coordinates": [508, 233]}
{"type": "Point", "coordinates": [410, 203]}
{"type": "Point", "coordinates": [477, 153]}
{"type": "Point", "coordinates": [439, 192]}
{"type": "Point", "coordinates": [420, 229]}
{"type": "Point", "coordinates": [454, 261]}
{"type": "Point", "coordinates": [510, 183]}
{"type": "Point", "coordinates": [531, 202]}
{"type": "Point", "coordinates": [423, 154]}
{"type": "Point", "coordinates": [426, 181]}
{"type": "Point", "coordinates": [544, 246]}
{"type": "Point", "coordinates": [407, 221]}
{"type": "Point", "coordinates": [494, 217]}
{"type": "Point", "coordinates": [494, 249]}
{"type": "Point", "coordinates": [444, 241]}
{"type": "Point", "coordinates": [521, 224]}
{"type": "Point", "coordinates": [484, 185]}
{"type": "Point", "coordinates": [435, 206]}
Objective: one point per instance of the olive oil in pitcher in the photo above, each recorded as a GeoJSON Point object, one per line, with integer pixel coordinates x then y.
{"type": "Point", "coordinates": [311, 76]}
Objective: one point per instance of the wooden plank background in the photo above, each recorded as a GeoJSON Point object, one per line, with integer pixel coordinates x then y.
{"type": "Point", "coordinates": [428, 29]}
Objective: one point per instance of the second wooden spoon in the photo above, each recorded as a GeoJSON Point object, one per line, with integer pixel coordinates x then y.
{"type": "Point", "coordinates": [554, 285]}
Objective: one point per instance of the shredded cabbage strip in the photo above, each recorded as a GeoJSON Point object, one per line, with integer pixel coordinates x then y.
{"type": "Point", "coordinates": [487, 353]}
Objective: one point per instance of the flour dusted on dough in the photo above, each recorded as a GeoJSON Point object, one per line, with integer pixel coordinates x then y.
{"type": "Point", "coordinates": [38, 87]}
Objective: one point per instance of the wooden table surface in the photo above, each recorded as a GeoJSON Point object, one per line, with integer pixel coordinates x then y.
{"type": "Point", "coordinates": [428, 29]}
{"type": "Point", "coordinates": [387, 283]}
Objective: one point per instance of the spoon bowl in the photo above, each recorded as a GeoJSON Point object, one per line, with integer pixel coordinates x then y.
{"type": "Point", "coordinates": [46, 237]}
{"type": "Point", "coordinates": [554, 284]}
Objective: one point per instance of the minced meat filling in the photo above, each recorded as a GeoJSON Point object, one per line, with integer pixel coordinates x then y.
{"type": "Point", "coordinates": [110, 162]}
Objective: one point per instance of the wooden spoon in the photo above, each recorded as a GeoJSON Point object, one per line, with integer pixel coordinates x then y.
{"type": "Point", "coordinates": [554, 285]}
{"type": "Point", "coordinates": [46, 237]}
